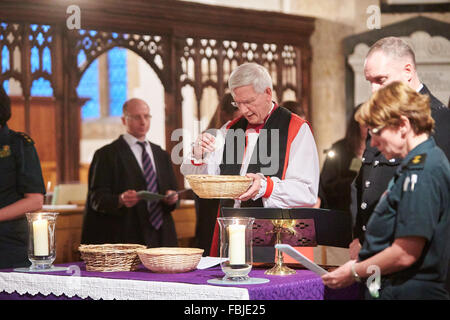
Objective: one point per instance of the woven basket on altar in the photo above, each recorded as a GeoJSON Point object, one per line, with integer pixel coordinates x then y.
{"type": "Point", "coordinates": [170, 260]}
{"type": "Point", "coordinates": [110, 257]}
{"type": "Point", "coordinates": [218, 186]}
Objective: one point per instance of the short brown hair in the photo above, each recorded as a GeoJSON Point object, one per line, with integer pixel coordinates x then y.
{"type": "Point", "coordinates": [388, 104]}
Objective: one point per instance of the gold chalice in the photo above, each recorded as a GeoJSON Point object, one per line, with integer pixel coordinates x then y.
{"type": "Point", "coordinates": [281, 226]}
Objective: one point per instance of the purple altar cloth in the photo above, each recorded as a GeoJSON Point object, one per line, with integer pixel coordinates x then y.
{"type": "Point", "coordinates": [304, 285]}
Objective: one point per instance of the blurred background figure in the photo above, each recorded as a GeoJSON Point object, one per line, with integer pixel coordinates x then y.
{"type": "Point", "coordinates": [341, 167]}
{"type": "Point", "coordinates": [225, 112]}
{"type": "Point", "coordinates": [294, 107]}
{"type": "Point", "coordinates": [206, 209]}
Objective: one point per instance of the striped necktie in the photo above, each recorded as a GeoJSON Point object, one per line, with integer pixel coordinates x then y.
{"type": "Point", "coordinates": [154, 207]}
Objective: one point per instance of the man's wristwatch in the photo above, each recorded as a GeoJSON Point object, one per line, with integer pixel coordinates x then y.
{"type": "Point", "coordinates": [355, 275]}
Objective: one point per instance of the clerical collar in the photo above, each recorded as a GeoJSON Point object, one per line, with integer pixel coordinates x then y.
{"type": "Point", "coordinates": [420, 87]}
{"type": "Point", "coordinates": [259, 126]}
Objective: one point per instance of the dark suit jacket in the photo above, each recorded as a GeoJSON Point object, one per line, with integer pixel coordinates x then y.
{"type": "Point", "coordinates": [441, 115]}
{"type": "Point", "coordinates": [114, 170]}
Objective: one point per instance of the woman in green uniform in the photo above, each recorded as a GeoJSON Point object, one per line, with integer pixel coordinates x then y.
{"type": "Point", "coordinates": [407, 237]}
{"type": "Point", "coordinates": [21, 189]}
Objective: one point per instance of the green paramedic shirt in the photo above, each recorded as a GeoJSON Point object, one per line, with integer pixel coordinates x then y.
{"type": "Point", "coordinates": [416, 203]}
{"type": "Point", "coordinates": [20, 173]}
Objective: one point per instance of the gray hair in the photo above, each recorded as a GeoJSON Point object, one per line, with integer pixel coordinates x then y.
{"type": "Point", "coordinates": [393, 47]}
{"type": "Point", "coordinates": [250, 73]}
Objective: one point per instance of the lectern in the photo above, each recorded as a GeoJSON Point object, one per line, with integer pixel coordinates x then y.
{"type": "Point", "coordinates": [306, 227]}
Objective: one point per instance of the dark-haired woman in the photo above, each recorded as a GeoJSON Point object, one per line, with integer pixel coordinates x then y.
{"type": "Point", "coordinates": [341, 166]}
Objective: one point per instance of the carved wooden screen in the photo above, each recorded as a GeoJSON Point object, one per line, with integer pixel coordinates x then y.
{"type": "Point", "coordinates": [90, 44]}
{"type": "Point", "coordinates": [184, 43]}
{"type": "Point", "coordinates": [20, 44]}
{"type": "Point", "coordinates": [209, 62]}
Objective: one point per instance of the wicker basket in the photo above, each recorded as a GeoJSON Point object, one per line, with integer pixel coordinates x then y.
{"type": "Point", "coordinates": [110, 257]}
{"type": "Point", "coordinates": [218, 186]}
{"type": "Point", "coordinates": [170, 260]}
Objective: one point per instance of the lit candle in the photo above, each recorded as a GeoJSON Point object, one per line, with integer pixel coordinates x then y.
{"type": "Point", "coordinates": [237, 243]}
{"type": "Point", "coordinates": [40, 236]}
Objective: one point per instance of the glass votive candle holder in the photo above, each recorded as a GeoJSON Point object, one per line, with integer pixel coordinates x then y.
{"type": "Point", "coordinates": [236, 245]}
{"type": "Point", "coordinates": [41, 239]}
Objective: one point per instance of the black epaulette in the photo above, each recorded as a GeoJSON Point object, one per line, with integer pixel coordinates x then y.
{"type": "Point", "coordinates": [417, 161]}
{"type": "Point", "coordinates": [24, 137]}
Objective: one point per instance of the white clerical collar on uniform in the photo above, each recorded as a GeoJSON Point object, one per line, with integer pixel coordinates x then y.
{"type": "Point", "coordinates": [420, 87]}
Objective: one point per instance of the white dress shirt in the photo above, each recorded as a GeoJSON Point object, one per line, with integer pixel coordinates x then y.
{"type": "Point", "coordinates": [137, 149]}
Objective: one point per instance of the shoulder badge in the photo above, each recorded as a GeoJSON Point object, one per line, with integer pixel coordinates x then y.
{"type": "Point", "coordinates": [417, 161]}
{"type": "Point", "coordinates": [5, 151]}
{"type": "Point", "coordinates": [25, 137]}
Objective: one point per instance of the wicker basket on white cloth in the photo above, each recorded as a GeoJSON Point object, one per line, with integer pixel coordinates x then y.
{"type": "Point", "coordinates": [110, 257]}
{"type": "Point", "coordinates": [218, 186]}
{"type": "Point", "coordinates": [170, 260]}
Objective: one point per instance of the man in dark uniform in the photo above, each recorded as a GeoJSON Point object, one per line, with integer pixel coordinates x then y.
{"type": "Point", "coordinates": [389, 59]}
{"type": "Point", "coordinates": [21, 189]}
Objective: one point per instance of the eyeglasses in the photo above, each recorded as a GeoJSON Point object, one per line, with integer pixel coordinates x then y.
{"type": "Point", "coordinates": [246, 103]}
{"type": "Point", "coordinates": [376, 131]}
{"type": "Point", "coordinates": [139, 117]}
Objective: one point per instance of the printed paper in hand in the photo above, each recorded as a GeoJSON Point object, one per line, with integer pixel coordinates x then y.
{"type": "Point", "coordinates": [208, 262]}
{"type": "Point", "coordinates": [301, 258]}
{"type": "Point", "coordinates": [150, 196]}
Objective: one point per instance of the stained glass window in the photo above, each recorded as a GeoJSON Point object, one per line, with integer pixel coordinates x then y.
{"type": "Point", "coordinates": [41, 88]}
{"type": "Point", "coordinates": [81, 58]}
{"type": "Point", "coordinates": [6, 86]}
{"type": "Point", "coordinates": [117, 80]}
{"type": "Point", "coordinates": [5, 59]}
{"type": "Point", "coordinates": [34, 59]}
{"type": "Point", "coordinates": [89, 88]}
{"type": "Point", "coordinates": [5, 66]}
{"type": "Point", "coordinates": [89, 83]}
{"type": "Point", "coordinates": [117, 77]}
{"type": "Point", "coordinates": [46, 60]}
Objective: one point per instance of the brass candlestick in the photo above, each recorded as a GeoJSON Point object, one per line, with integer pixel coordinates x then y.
{"type": "Point", "coordinates": [281, 226]}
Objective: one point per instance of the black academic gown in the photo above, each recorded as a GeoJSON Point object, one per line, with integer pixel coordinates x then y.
{"type": "Point", "coordinates": [114, 170]}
